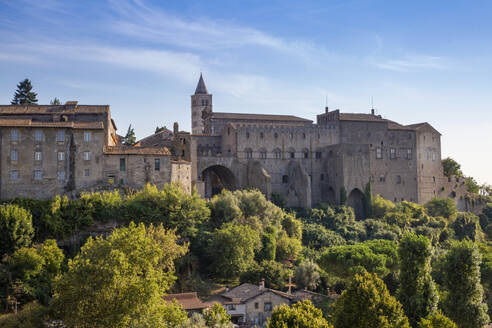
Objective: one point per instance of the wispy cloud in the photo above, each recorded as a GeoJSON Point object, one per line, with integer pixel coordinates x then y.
{"type": "Point", "coordinates": [411, 62]}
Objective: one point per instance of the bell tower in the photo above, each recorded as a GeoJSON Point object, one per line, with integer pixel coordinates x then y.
{"type": "Point", "coordinates": [201, 105]}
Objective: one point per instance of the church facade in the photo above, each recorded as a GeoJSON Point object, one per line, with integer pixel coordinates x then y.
{"type": "Point", "coordinates": [57, 149]}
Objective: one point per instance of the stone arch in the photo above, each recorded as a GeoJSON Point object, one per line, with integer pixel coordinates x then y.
{"type": "Point", "coordinates": [356, 201]}
{"type": "Point", "coordinates": [248, 153]}
{"type": "Point", "coordinates": [216, 178]}
{"type": "Point", "coordinates": [262, 153]}
{"type": "Point", "coordinates": [291, 153]}
{"type": "Point", "coordinates": [277, 153]}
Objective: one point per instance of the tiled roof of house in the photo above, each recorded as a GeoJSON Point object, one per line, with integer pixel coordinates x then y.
{"type": "Point", "coordinates": [133, 150]}
{"type": "Point", "coordinates": [244, 292]}
{"type": "Point", "coordinates": [189, 301]}
{"type": "Point", "coordinates": [260, 117]}
{"type": "Point", "coordinates": [53, 109]}
{"type": "Point", "coordinates": [30, 123]}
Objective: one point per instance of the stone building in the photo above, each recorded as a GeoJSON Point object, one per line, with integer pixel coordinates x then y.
{"type": "Point", "coordinates": [69, 148]}
{"type": "Point", "coordinates": [306, 162]}
{"type": "Point", "coordinates": [66, 149]}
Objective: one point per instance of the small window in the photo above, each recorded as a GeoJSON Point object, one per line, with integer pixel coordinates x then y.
{"type": "Point", "coordinates": [382, 178]}
{"type": "Point", "coordinates": [285, 179]}
{"type": "Point", "coordinates": [87, 136]}
{"type": "Point", "coordinates": [228, 131]}
{"type": "Point", "coordinates": [231, 307]}
{"type": "Point", "coordinates": [261, 135]}
{"type": "Point", "coordinates": [292, 154]}
{"type": "Point", "coordinates": [157, 164]}
{"type": "Point", "coordinates": [303, 136]}
{"type": "Point", "coordinates": [306, 154]}
{"type": "Point", "coordinates": [38, 135]}
{"type": "Point", "coordinates": [38, 175]}
{"type": "Point", "coordinates": [267, 306]}
{"type": "Point", "coordinates": [275, 135]}
{"type": "Point", "coordinates": [392, 153]}
{"type": "Point", "coordinates": [14, 135]}
{"type": "Point", "coordinates": [61, 175]}
{"type": "Point", "coordinates": [14, 175]}
{"type": "Point", "coordinates": [433, 156]}
{"type": "Point", "coordinates": [122, 164]}
{"type": "Point", "coordinates": [38, 156]}
{"type": "Point", "coordinates": [14, 155]}
{"type": "Point", "coordinates": [60, 136]}
{"type": "Point", "coordinates": [277, 154]}
{"type": "Point", "coordinates": [409, 153]}
{"type": "Point", "coordinates": [249, 153]}
{"type": "Point", "coordinates": [318, 154]}
{"type": "Point", "coordinates": [291, 135]}
{"type": "Point", "coordinates": [263, 154]}
{"type": "Point", "coordinates": [61, 155]}
{"type": "Point", "coordinates": [257, 305]}
{"type": "Point", "coordinates": [434, 179]}
{"type": "Point", "coordinates": [87, 155]}
{"type": "Point", "coordinates": [247, 135]}
{"type": "Point", "coordinates": [398, 179]}
{"type": "Point", "coordinates": [87, 172]}
{"type": "Point", "coordinates": [379, 153]}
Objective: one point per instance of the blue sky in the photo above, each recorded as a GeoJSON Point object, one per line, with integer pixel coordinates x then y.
{"type": "Point", "coordinates": [419, 60]}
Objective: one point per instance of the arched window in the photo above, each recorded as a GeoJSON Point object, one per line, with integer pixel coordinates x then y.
{"type": "Point", "coordinates": [277, 153]}
{"type": "Point", "coordinates": [248, 152]}
{"type": "Point", "coordinates": [276, 135]}
{"type": "Point", "coordinates": [305, 153]}
{"type": "Point", "coordinates": [261, 135]}
{"type": "Point", "coordinates": [292, 153]}
{"type": "Point", "coordinates": [247, 135]}
{"type": "Point", "coordinates": [263, 153]}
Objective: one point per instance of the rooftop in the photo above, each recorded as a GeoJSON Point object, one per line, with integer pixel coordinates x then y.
{"type": "Point", "coordinates": [259, 117]}
{"type": "Point", "coordinates": [29, 123]}
{"type": "Point", "coordinates": [68, 108]}
{"type": "Point", "coordinates": [189, 301]}
{"type": "Point", "coordinates": [133, 150]}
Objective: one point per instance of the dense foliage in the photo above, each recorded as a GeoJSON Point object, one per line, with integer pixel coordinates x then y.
{"type": "Point", "coordinates": [300, 315]}
{"type": "Point", "coordinates": [402, 252]}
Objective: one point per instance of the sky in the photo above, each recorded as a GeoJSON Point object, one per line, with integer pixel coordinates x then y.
{"type": "Point", "coordinates": [420, 61]}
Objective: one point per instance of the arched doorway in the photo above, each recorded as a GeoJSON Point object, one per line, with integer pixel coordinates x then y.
{"type": "Point", "coordinates": [216, 178]}
{"type": "Point", "coordinates": [356, 201]}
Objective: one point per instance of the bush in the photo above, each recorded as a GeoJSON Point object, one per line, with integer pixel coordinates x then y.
{"type": "Point", "coordinates": [445, 207]}
{"type": "Point", "coordinates": [32, 315]}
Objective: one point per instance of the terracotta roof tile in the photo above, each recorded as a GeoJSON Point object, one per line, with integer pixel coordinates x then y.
{"type": "Point", "coordinates": [189, 301]}
{"type": "Point", "coordinates": [52, 109]}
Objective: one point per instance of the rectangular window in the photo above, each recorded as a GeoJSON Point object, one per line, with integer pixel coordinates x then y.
{"type": "Point", "coordinates": [87, 172]}
{"type": "Point", "coordinates": [292, 154]}
{"type": "Point", "coordinates": [398, 179]}
{"type": "Point", "coordinates": [278, 155]}
{"type": "Point", "coordinates": [38, 135]}
{"type": "Point", "coordinates": [61, 155]}
{"type": "Point", "coordinates": [87, 155]}
{"type": "Point", "coordinates": [38, 175]}
{"type": "Point", "coordinates": [318, 154]}
{"type": "Point", "coordinates": [433, 156]}
{"type": "Point", "coordinates": [257, 305]}
{"type": "Point", "coordinates": [38, 156]}
{"type": "Point", "coordinates": [122, 165]}
{"type": "Point", "coordinates": [409, 153]}
{"type": "Point", "coordinates": [14, 175]}
{"type": "Point", "coordinates": [392, 153]}
{"type": "Point", "coordinates": [263, 155]}
{"type": "Point", "coordinates": [87, 136]}
{"type": "Point", "coordinates": [14, 155]}
{"type": "Point", "coordinates": [60, 136]}
{"type": "Point", "coordinates": [14, 135]}
{"type": "Point", "coordinates": [267, 307]}
{"type": "Point", "coordinates": [379, 153]}
{"type": "Point", "coordinates": [61, 175]}
{"type": "Point", "coordinates": [157, 164]}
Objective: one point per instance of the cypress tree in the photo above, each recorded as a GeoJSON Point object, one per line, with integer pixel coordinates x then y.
{"type": "Point", "coordinates": [55, 101]}
{"type": "Point", "coordinates": [130, 138]}
{"type": "Point", "coordinates": [24, 95]}
{"type": "Point", "coordinates": [368, 200]}
{"type": "Point", "coordinates": [343, 196]}
{"type": "Point", "coordinates": [417, 292]}
{"type": "Point", "coordinates": [461, 272]}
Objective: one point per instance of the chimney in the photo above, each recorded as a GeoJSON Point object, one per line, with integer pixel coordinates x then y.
{"type": "Point", "coordinates": [175, 128]}
{"type": "Point", "coordinates": [372, 111]}
{"type": "Point", "coordinates": [326, 109]}
{"type": "Point", "coordinates": [262, 284]}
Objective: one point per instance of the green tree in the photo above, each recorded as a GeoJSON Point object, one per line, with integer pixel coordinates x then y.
{"type": "Point", "coordinates": [216, 316]}
{"type": "Point", "coordinates": [274, 274]}
{"type": "Point", "coordinates": [317, 236]}
{"type": "Point", "coordinates": [287, 248]}
{"type": "Point", "coordinates": [307, 275]}
{"type": "Point", "coordinates": [232, 250]}
{"type": "Point", "coordinates": [119, 281]}
{"type": "Point", "coordinates": [32, 315]}
{"type": "Point", "coordinates": [417, 292]}
{"type": "Point", "coordinates": [471, 185]}
{"type": "Point", "coordinates": [368, 200]}
{"type": "Point", "coordinates": [461, 274]}
{"type": "Point", "coordinates": [24, 94]}
{"type": "Point", "coordinates": [467, 226]}
{"type": "Point", "coordinates": [159, 129]}
{"type": "Point", "coordinates": [367, 303]}
{"type": "Point", "coordinates": [445, 207]}
{"type": "Point", "coordinates": [292, 226]}
{"type": "Point", "coordinates": [436, 320]}
{"type": "Point", "coordinates": [301, 315]}
{"type": "Point", "coordinates": [269, 245]}
{"type": "Point", "coordinates": [129, 139]}
{"type": "Point", "coordinates": [451, 167]}
{"type": "Point", "coordinates": [381, 206]}
{"type": "Point", "coordinates": [343, 196]}
{"type": "Point", "coordinates": [55, 101]}
{"type": "Point", "coordinates": [16, 229]}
